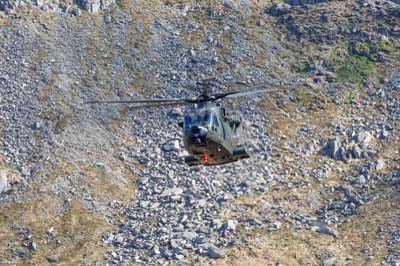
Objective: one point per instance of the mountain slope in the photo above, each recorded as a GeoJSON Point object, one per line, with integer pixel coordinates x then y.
{"type": "Point", "coordinates": [86, 184]}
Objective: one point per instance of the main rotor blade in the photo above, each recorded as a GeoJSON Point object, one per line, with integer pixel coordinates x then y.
{"type": "Point", "coordinates": [139, 101]}
{"type": "Point", "coordinates": [269, 83]}
{"type": "Point", "coordinates": [251, 90]}
{"type": "Point", "coordinates": [248, 92]}
{"type": "Point", "coordinates": [157, 105]}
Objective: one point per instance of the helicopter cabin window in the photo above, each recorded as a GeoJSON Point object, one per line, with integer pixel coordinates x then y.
{"type": "Point", "coordinates": [204, 119]}
{"type": "Point", "coordinates": [223, 112]}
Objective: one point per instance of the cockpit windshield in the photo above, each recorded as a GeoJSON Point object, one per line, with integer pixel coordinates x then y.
{"type": "Point", "coordinates": [199, 119]}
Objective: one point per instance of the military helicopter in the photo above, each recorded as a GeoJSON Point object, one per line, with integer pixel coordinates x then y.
{"type": "Point", "coordinates": [209, 130]}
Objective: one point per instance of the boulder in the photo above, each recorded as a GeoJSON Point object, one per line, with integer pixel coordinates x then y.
{"type": "Point", "coordinates": [357, 152]}
{"type": "Point", "coordinates": [380, 164]}
{"type": "Point", "coordinates": [327, 231]}
{"type": "Point", "coordinates": [230, 225]}
{"type": "Point", "coordinates": [364, 137]}
{"type": "Point", "coordinates": [212, 251]}
{"type": "Point", "coordinates": [171, 146]}
{"type": "Point", "coordinates": [333, 149]}
{"type": "Point", "coordinates": [279, 9]}
{"type": "Point", "coordinates": [94, 6]}
{"type": "Point", "coordinates": [176, 191]}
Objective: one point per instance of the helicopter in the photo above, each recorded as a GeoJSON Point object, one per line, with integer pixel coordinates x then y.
{"type": "Point", "coordinates": [208, 128]}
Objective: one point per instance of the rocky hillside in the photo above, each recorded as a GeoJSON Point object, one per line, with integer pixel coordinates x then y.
{"type": "Point", "coordinates": [107, 185]}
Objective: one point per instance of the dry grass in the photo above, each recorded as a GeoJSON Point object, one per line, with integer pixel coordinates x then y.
{"type": "Point", "coordinates": [286, 199]}
{"type": "Point", "coordinates": [78, 230]}
{"type": "Point", "coordinates": [361, 239]}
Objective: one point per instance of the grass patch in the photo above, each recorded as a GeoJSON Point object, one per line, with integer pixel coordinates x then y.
{"type": "Point", "coordinates": [353, 68]}
{"type": "Point", "coordinates": [302, 67]}
{"type": "Point", "coordinates": [350, 62]}
{"type": "Point", "coordinates": [350, 97]}
{"type": "Point", "coordinates": [355, 62]}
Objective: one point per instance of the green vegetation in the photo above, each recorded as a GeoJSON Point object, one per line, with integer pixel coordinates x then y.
{"type": "Point", "coordinates": [302, 67]}
{"type": "Point", "coordinates": [355, 62]}
{"type": "Point", "coordinates": [350, 97]}
{"type": "Point", "coordinates": [351, 62]}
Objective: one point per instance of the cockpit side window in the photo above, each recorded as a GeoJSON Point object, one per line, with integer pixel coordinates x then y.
{"type": "Point", "coordinates": [223, 131]}
{"type": "Point", "coordinates": [205, 118]}
{"type": "Point", "coordinates": [215, 124]}
{"type": "Point", "coordinates": [187, 122]}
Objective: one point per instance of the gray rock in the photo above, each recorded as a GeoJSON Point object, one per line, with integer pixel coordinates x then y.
{"type": "Point", "coordinates": [229, 4]}
{"type": "Point", "coordinates": [380, 164]}
{"type": "Point", "coordinates": [36, 125]}
{"type": "Point", "coordinates": [327, 231]}
{"type": "Point", "coordinates": [254, 221]}
{"type": "Point", "coordinates": [279, 9]}
{"type": "Point", "coordinates": [75, 12]}
{"type": "Point", "coordinates": [171, 146]}
{"type": "Point", "coordinates": [186, 235]}
{"type": "Point", "coordinates": [230, 225]}
{"type": "Point", "coordinates": [118, 240]}
{"type": "Point", "coordinates": [179, 256]}
{"type": "Point", "coordinates": [333, 149]}
{"type": "Point", "coordinates": [174, 243]}
{"type": "Point", "coordinates": [274, 226]}
{"type": "Point", "coordinates": [214, 252]}
{"type": "Point", "coordinates": [364, 137]}
{"type": "Point", "coordinates": [156, 250]}
{"type": "Point", "coordinates": [94, 6]}
{"type": "Point", "coordinates": [227, 196]}
{"type": "Point", "coordinates": [51, 260]}
{"type": "Point", "coordinates": [176, 191]}
{"type": "Point", "coordinates": [360, 180]}
{"type": "Point", "coordinates": [51, 231]}
{"type": "Point", "coordinates": [384, 134]}
{"type": "Point", "coordinates": [331, 262]}
{"type": "Point", "coordinates": [20, 252]}
{"type": "Point", "coordinates": [32, 246]}
{"type": "Point", "coordinates": [357, 152]}
{"type": "Point", "coordinates": [261, 23]}
{"type": "Point", "coordinates": [201, 203]}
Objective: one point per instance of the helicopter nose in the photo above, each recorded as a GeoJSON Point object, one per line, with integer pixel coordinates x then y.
{"type": "Point", "coordinates": [198, 132]}
{"type": "Point", "coordinates": [198, 135]}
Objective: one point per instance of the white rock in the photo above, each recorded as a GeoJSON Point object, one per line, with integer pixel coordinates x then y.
{"type": "Point", "coordinates": [171, 146]}
{"type": "Point", "coordinates": [364, 137]}
{"type": "Point", "coordinates": [3, 181]}
{"type": "Point", "coordinates": [176, 191]}
{"type": "Point", "coordinates": [380, 164]}
{"type": "Point", "coordinates": [230, 225]}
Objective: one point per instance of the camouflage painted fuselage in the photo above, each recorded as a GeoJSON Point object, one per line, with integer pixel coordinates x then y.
{"type": "Point", "coordinates": [209, 136]}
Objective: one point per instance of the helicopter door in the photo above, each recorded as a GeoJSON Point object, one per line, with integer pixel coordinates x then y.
{"type": "Point", "coordinates": [223, 131]}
